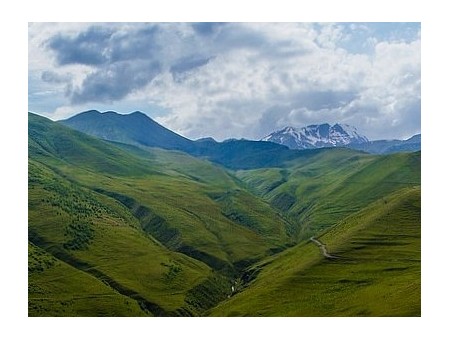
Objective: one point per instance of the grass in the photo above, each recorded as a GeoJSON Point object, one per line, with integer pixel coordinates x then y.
{"type": "Point", "coordinates": [377, 272]}
{"type": "Point", "coordinates": [155, 232]}
{"type": "Point", "coordinates": [115, 247]}
{"type": "Point", "coordinates": [114, 217]}
{"type": "Point", "coordinates": [58, 289]}
{"type": "Point", "coordinates": [182, 193]}
{"type": "Point", "coordinates": [55, 144]}
{"type": "Point", "coordinates": [317, 193]}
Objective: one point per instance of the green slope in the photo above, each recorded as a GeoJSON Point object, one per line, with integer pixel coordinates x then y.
{"type": "Point", "coordinates": [57, 145]}
{"type": "Point", "coordinates": [319, 191]}
{"type": "Point", "coordinates": [151, 224]}
{"type": "Point", "coordinates": [163, 233]}
{"type": "Point", "coordinates": [58, 289]}
{"type": "Point", "coordinates": [376, 272]}
{"type": "Point", "coordinates": [191, 205]}
{"type": "Point", "coordinates": [98, 236]}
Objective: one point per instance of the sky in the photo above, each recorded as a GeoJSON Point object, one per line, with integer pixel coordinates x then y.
{"type": "Point", "coordinates": [232, 80]}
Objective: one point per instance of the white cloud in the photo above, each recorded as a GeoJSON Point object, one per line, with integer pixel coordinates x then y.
{"type": "Point", "coordinates": [240, 80]}
{"type": "Point", "coordinates": [235, 90]}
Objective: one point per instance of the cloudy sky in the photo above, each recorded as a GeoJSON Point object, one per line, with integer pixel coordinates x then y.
{"type": "Point", "coordinates": [232, 79]}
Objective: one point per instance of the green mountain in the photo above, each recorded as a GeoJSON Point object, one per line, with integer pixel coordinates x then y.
{"type": "Point", "coordinates": [176, 222]}
{"type": "Point", "coordinates": [318, 190]}
{"type": "Point", "coordinates": [127, 229]}
{"type": "Point", "coordinates": [98, 240]}
{"type": "Point", "coordinates": [135, 128]}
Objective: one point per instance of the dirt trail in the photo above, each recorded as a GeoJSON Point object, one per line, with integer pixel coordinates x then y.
{"type": "Point", "coordinates": [322, 248]}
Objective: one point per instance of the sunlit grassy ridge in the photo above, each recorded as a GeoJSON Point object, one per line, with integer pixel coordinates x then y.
{"type": "Point", "coordinates": [317, 192]}
{"type": "Point", "coordinates": [376, 272]}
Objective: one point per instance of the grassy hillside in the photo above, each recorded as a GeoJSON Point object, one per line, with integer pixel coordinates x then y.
{"type": "Point", "coordinates": [99, 237]}
{"type": "Point", "coordinates": [173, 193]}
{"type": "Point", "coordinates": [318, 191]}
{"type": "Point", "coordinates": [376, 271]}
{"type": "Point", "coordinates": [57, 145]}
{"type": "Point", "coordinates": [152, 225]}
{"type": "Point", "coordinates": [58, 289]}
{"type": "Point", "coordinates": [154, 232]}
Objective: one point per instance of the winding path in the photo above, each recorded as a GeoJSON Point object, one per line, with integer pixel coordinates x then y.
{"type": "Point", "coordinates": [322, 248]}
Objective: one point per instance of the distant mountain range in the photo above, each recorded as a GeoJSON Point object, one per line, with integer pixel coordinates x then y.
{"type": "Point", "coordinates": [339, 135]}
{"type": "Point", "coordinates": [390, 146]}
{"type": "Point", "coordinates": [140, 130]}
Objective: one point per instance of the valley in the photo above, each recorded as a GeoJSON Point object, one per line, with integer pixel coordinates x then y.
{"type": "Point", "coordinates": [142, 222]}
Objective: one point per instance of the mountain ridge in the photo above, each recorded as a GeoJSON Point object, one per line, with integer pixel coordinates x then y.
{"type": "Point", "coordinates": [391, 146]}
{"type": "Point", "coordinates": [339, 135]}
{"type": "Point", "coordinates": [316, 136]}
{"type": "Point", "coordinates": [135, 128]}
{"type": "Point", "coordinates": [138, 129]}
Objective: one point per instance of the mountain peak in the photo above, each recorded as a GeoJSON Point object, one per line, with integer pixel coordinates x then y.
{"type": "Point", "coordinates": [206, 139]}
{"type": "Point", "coordinates": [138, 113]}
{"type": "Point", "coordinates": [97, 113]}
{"type": "Point", "coordinates": [136, 128]}
{"type": "Point", "coordinates": [288, 129]}
{"type": "Point", "coordinates": [317, 136]}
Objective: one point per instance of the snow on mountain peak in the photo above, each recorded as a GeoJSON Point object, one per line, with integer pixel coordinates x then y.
{"type": "Point", "coordinates": [317, 136]}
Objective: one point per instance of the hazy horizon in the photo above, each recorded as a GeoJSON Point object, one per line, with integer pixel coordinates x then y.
{"type": "Point", "coordinates": [206, 136]}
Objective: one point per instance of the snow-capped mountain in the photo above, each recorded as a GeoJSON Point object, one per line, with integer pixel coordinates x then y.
{"type": "Point", "coordinates": [317, 136]}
